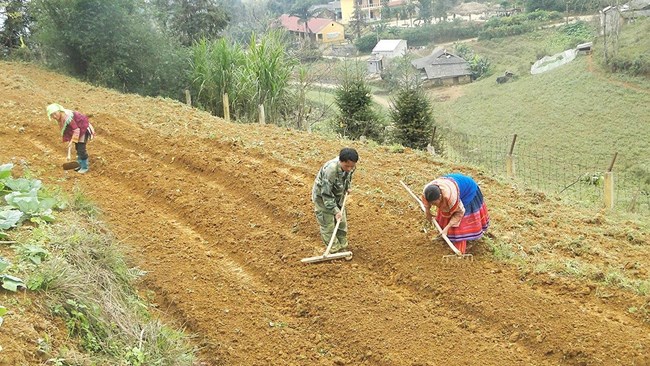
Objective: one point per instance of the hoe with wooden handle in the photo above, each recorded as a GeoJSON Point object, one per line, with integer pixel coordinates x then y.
{"type": "Point", "coordinates": [457, 254]}
{"type": "Point", "coordinates": [327, 256]}
{"type": "Point", "coordinates": [69, 165]}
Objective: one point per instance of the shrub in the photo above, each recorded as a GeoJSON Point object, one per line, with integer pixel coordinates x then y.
{"type": "Point", "coordinates": [413, 117]}
{"type": "Point", "coordinates": [366, 43]}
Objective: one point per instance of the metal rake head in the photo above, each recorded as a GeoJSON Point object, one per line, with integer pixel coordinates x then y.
{"type": "Point", "coordinates": [456, 257]}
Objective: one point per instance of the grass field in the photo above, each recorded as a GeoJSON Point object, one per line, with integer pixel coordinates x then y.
{"type": "Point", "coordinates": [576, 116]}
{"type": "Point", "coordinates": [570, 121]}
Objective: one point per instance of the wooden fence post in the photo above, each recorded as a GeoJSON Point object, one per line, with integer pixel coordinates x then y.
{"type": "Point", "coordinates": [188, 97]}
{"type": "Point", "coordinates": [226, 107]}
{"type": "Point", "coordinates": [431, 148]}
{"type": "Point", "coordinates": [262, 116]}
{"type": "Point", "coordinates": [609, 185]}
{"type": "Point", "coordinates": [510, 160]}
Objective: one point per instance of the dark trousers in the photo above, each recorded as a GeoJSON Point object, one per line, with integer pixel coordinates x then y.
{"type": "Point", "coordinates": [82, 154]}
{"type": "Point", "coordinates": [80, 147]}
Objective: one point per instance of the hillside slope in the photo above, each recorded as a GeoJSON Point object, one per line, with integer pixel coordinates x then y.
{"type": "Point", "coordinates": [219, 215]}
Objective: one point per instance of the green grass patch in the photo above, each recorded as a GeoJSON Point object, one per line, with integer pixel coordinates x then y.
{"type": "Point", "coordinates": [83, 278]}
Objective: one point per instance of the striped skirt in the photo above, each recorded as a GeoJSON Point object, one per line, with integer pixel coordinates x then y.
{"type": "Point", "coordinates": [474, 223]}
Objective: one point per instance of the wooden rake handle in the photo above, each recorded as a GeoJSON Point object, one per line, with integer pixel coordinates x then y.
{"type": "Point", "coordinates": [434, 222]}
{"type": "Point", "coordinates": [336, 228]}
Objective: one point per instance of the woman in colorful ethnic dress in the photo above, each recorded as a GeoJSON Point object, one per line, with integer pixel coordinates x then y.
{"type": "Point", "coordinates": [461, 211]}
{"type": "Point", "coordinates": [75, 128]}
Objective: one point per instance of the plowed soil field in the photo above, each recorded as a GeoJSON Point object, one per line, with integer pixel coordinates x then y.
{"type": "Point", "coordinates": [219, 215]}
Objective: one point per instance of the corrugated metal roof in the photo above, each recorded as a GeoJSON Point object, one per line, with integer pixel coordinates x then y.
{"type": "Point", "coordinates": [441, 63]}
{"type": "Point", "coordinates": [387, 45]}
{"type": "Point", "coordinates": [420, 63]}
{"type": "Point", "coordinates": [447, 71]}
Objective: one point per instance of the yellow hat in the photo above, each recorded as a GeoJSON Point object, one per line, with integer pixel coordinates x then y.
{"type": "Point", "coordinates": [53, 108]}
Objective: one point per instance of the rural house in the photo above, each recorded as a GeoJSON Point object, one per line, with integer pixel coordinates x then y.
{"type": "Point", "coordinates": [370, 10]}
{"type": "Point", "coordinates": [613, 17]}
{"type": "Point", "coordinates": [385, 50]}
{"type": "Point", "coordinates": [443, 68]}
{"type": "Point", "coordinates": [333, 8]}
{"type": "Point", "coordinates": [320, 30]}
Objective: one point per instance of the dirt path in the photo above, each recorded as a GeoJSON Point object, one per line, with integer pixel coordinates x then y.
{"type": "Point", "coordinates": [220, 220]}
{"type": "Point", "coordinates": [592, 69]}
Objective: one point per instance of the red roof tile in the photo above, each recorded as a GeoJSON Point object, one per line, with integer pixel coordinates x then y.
{"type": "Point", "coordinates": [315, 24]}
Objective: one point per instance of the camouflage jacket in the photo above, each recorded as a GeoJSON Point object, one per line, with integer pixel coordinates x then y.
{"type": "Point", "coordinates": [330, 186]}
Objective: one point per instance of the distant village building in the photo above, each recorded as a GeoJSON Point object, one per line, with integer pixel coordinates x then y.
{"type": "Point", "coordinates": [332, 8]}
{"type": "Point", "coordinates": [320, 30]}
{"type": "Point", "coordinates": [613, 17]}
{"type": "Point", "coordinates": [390, 48]}
{"type": "Point", "coordinates": [443, 68]}
{"type": "Point", "coordinates": [370, 9]}
{"type": "Point", "coordinates": [383, 51]}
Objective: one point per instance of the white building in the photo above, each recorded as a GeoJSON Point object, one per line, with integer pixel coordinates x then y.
{"type": "Point", "coordinates": [389, 48]}
{"type": "Point", "coordinates": [383, 52]}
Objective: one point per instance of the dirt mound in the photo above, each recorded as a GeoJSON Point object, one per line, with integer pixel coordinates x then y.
{"type": "Point", "coordinates": [219, 215]}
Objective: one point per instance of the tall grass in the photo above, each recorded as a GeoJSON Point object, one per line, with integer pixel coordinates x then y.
{"type": "Point", "coordinates": [87, 282]}
{"type": "Point", "coordinates": [252, 76]}
{"type": "Point", "coordinates": [214, 72]}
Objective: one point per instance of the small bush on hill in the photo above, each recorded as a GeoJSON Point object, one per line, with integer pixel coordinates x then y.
{"type": "Point", "coordinates": [479, 65]}
{"type": "Point", "coordinates": [366, 43]}
{"type": "Point", "coordinates": [356, 117]}
{"type": "Point", "coordinates": [631, 56]}
{"type": "Point", "coordinates": [498, 27]}
{"type": "Point", "coordinates": [413, 117]}
{"type": "Point", "coordinates": [440, 32]}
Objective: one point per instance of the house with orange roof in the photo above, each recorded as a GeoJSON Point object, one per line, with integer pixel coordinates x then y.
{"type": "Point", "coordinates": [320, 30]}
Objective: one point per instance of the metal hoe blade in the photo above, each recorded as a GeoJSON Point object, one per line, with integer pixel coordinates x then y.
{"type": "Point", "coordinates": [70, 165]}
{"type": "Point", "coordinates": [451, 257]}
{"type": "Point", "coordinates": [327, 257]}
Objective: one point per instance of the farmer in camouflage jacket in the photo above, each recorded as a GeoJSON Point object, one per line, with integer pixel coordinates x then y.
{"type": "Point", "coordinates": [331, 184]}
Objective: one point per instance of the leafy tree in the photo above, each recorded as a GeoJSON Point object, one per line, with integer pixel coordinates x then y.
{"type": "Point", "coordinates": [399, 73]}
{"type": "Point", "coordinates": [386, 11]}
{"type": "Point", "coordinates": [479, 65]}
{"type": "Point", "coordinates": [111, 43]}
{"type": "Point", "coordinates": [425, 11]}
{"type": "Point", "coordinates": [247, 19]}
{"type": "Point", "coordinates": [411, 9]}
{"type": "Point", "coordinates": [532, 5]}
{"type": "Point", "coordinates": [354, 101]}
{"type": "Point", "coordinates": [196, 19]}
{"type": "Point", "coordinates": [357, 23]}
{"type": "Point", "coordinates": [366, 43]}
{"type": "Point", "coordinates": [278, 7]}
{"type": "Point", "coordinates": [15, 27]}
{"type": "Point", "coordinates": [413, 117]}
{"type": "Point", "coordinates": [304, 11]}
{"type": "Point", "coordinates": [441, 8]}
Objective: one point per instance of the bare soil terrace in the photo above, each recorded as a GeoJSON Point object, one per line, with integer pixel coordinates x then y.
{"type": "Point", "coordinates": [219, 215]}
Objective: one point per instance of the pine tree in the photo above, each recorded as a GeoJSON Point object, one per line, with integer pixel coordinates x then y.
{"type": "Point", "coordinates": [412, 115]}
{"type": "Point", "coordinates": [356, 117]}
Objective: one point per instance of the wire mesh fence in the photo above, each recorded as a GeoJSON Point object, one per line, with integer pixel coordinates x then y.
{"type": "Point", "coordinates": [576, 176]}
